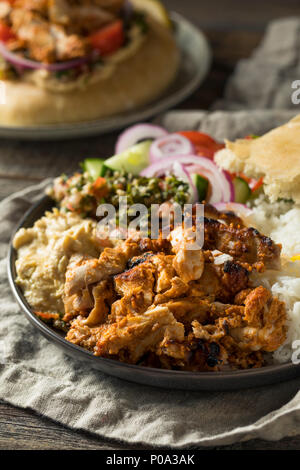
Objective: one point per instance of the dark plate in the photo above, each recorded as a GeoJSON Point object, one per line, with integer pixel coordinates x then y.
{"type": "Point", "coordinates": [143, 375]}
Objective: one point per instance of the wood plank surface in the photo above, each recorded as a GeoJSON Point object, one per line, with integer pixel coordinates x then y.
{"type": "Point", "coordinates": [25, 430]}
{"type": "Point", "coordinates": [234, 29]}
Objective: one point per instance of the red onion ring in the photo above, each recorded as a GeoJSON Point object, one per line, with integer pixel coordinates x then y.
{"type": "Point", "coordinates": [231, 186]}
{"type": "Point", "coordinates": [182, 174]}
{"type": "Point", "coordinates": [21, 62]}
{"type": "Point", "coordinates": [221, 190]}
{"type": "Point", "coordinates": [137, 133]}
{"type": "Point", "coordinates": [169, 146]}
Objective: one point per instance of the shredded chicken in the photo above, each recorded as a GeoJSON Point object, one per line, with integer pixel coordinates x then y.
{"type": "Point", "coordinates": [135, 335]}
{"type": "Point", "coordinates": [57, 30]}
{"type": "Point", "coordinates": [189, 258]}
{"type": "Point", "coordinates": [176, 304]}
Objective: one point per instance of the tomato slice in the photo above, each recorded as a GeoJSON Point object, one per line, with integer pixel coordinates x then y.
{"type": "Point", "coordinates": [205, 145]}
{"type": "Point", "coordinates": [6, 32]}
{"type": "Point", "coordinates": [108, 39]}
{"type": "Point", "coordinates": [99, 188]}
{"type": "Point", "coordinates": [256, 184]}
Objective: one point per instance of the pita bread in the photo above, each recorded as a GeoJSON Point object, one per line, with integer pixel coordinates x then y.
{"type": "Point", "coordinates": [274, 156]}
{"type": "Point", "coordinates": [135, 82]}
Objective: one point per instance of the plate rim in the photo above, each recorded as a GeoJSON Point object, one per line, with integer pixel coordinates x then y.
{"type": "Point", "coordinates": [76, 130]}
{"type": "Point", "coordinates": [213, 378]}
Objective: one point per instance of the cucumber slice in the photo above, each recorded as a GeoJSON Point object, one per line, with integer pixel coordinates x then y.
{"type": "Point", "coordinates": [132, 160]}
{"type": "Point", "coordinates": [242, 190]}
{"type": "Point", "coordinates": [255, 194]}
{"type": "Point", "coordinates": [201, 184]}
{"type": "Point", "coordinates": [93, 166]}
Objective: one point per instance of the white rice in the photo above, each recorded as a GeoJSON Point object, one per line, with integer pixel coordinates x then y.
{"type": "Point", "coordinates": [281, 222]}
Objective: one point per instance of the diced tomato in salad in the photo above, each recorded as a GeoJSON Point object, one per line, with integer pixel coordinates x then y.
{"type": "Point", "coordinates": [254, 185]}
{"type": "Point", "coordinates": [6, 32]}
{"type": "Point", "coordinates": [205, 145]}
{"type": "Point", "coordinates": [100, 188]}
{"type": "Point", "coordinates": [108, 39]}
{"type": "Point", "coordinates": [47, 316]}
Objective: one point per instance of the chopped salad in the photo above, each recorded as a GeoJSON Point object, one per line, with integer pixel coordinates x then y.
{"type": "Point", "coordinates": [153, 166]}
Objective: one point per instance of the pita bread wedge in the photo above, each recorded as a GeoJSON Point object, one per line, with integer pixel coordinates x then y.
{"type": "Point", "coordinates": [137, 81]}
{"type": "Point", "coordinates": [274, 156]}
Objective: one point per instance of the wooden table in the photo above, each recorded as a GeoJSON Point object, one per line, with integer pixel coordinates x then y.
{"type": "Point", "coordinates": [234, 30]}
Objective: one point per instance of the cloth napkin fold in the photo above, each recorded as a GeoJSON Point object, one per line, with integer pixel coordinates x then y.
{"type": "Point", "coordinates": [35, 374]}
{"type": "Point", "coordinates": [265, 79]}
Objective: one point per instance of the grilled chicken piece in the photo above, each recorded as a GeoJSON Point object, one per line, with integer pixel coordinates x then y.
{"type": "Point", "coordinates": [189, 258]}
{"type": "Point", "coordinates": [258, 325]}
{"type": "Point", "coordinates": [223, 231]}
{"type": "Point", "coordinates": [79, 17]}
{"type": "Point", "coordinates": [136, 287]}
{"type": "Point", "coordinates": [45, 42]}
{"type": "Point", "coordinates": [135, 335]}
{"type": "Point", "coordinates": [104, 295]}
{"type": "Point", "coordinates": [220, 282]}
{"type": "Point", "coordinates": [161, 245]}
{"type": "Point", "coordinates": [187, 309]}
{"type": "Point", "coordinates": [165, 272]}
{"type": "Point", "coordinates": [34, 32]}
{"type": "Point", "coordinates": [246, 245]}
{"type": "Point", "coordinates": [84, 271]}
{"type": "Point", "coordinates": [83, 335]}
{"type": "Point", "coordinates": [51, 30]}
{"type": "Point", "coordinates": [178, 288]}
{"type": "Point", "coordinates": [94, 302]}
{"type": "Point", "coordinates": [151, 280]}
{"type": "Point", "coordinates": [228, 217]}
{"type": "Point", "coordinates": [264, 320]}
{"type": "Point", "coordinates": [138, 277]}
{"type": "Point", "coordinates": [82, 302]}
{"type": "Point", "coordinates": [81, 272]}
{"type": "Point", "coordinates": [68, 46]}
{"type": "Point", "coordinates": [160, 264]}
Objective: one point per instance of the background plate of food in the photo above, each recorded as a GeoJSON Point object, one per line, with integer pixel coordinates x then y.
{"type": "Point", "coordinates": [224, 315]}
{"type": "Point", "coordinates": [65, 76]}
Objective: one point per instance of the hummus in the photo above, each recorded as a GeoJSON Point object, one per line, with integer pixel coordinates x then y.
{"type": "Point", "coordinates": [43, 255]}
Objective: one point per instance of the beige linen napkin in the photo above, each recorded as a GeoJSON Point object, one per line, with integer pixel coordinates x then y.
{"type": "Point", "coordinates": [265, 79]}
{"type": "Point", "coordinates": [35, 374]}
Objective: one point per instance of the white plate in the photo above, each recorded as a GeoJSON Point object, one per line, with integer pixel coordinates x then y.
{"type": "Point", "coordinates": [194, 66]}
